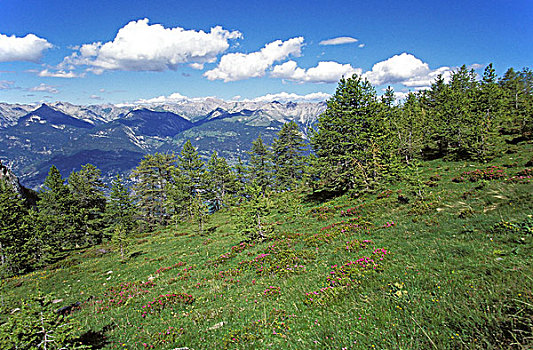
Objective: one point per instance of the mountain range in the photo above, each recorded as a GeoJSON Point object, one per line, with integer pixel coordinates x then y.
{"type": "Point", "coordinates": [116, 137]}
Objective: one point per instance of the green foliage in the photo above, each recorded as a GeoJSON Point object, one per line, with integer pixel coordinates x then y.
{"type": "Point", "coordinates": [16, 231]}
{"type": "Point", "coordinates": [221, 185]}
{"type": "Point", "coordinates": [120, 209]}
{"type": "Point", "coordinates": [252, 213]}
{"type": "Point", "coordinates": [59, 225]}
{"type": "Point", "coordinates": [87, 189]}
{"type": "Point", "coordinates": [351, 136]}
{"type": "Point", "coordinates": [35, 325]}
{"type": "Point", "coordinates": [152, 178]}
{"type": "Point", "coordinates": [260, 167]}
{"type": "Point", "coordinates": [287, 153]}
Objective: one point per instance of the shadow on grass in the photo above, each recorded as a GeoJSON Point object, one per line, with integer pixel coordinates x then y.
{"type": "Point", "coordinates": [96, 339]}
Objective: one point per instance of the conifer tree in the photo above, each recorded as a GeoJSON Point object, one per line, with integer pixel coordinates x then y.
{"type": "Point", "coordinates": [345, 135]}
{"type": "Point", "coordinates": [260, 166]}
{"type": "Point", "coordinates": [60, 225]}
{"type": "Point", "coordinates": [489, 109]}
{"type": "Point", "coordinates": [517, 90]}
{"type": "Point", "coordinates": [411, 128]}
{"type": "Point", "coordinates": [87, 189]}
{"type": "Point", "coordinates": [241, 177]}
{"type": "Point", "coordinates": [16, 231]}
{"type": "Point", "coordinates": [287, 153]}
{"type": "Point", "coordinates": [253, 212]}
{"type": "Point", "coordinates": [220, 182]}
{"type": "Point", "coordinates": [120, 210]}
{"type": "Point", "coordinates": [152, 178]}
{"type": "Point", "coordinates": [192, 172]}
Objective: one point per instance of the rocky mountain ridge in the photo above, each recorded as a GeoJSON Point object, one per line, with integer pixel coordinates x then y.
{"type": "Point", "coordinates": [116, 137]}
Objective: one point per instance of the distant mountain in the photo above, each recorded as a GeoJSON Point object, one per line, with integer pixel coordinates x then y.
{"type": "Point", "coordinates": [57, 119]}
{"type": "Point", "coordinates": [115, 138]}
{"type": "Point", "coordinates": [151, 123]}
{"type": "Point", "coordinates": [10, 114]}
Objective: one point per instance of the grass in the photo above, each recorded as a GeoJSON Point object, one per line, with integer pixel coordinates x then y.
{"type": "Point", "coordinates": [457, 273]}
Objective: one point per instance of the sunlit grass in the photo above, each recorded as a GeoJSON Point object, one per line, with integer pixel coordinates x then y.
{"type": "Point", "coordinates": [450, 278]}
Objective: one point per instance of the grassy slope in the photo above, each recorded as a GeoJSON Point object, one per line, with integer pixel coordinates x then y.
{"type": "Point", "coordinates": [448, 280]}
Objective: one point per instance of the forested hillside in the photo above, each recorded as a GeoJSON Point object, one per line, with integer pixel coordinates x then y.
{"type": "Point", "coordinates": [397, 226]}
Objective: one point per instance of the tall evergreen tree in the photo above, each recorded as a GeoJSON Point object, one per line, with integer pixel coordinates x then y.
{"type": "Point", "coordinates": [489, 109]}
{"type": "Point", "coordinates": [152, 178]}
{"type": "Point", "coordinates": [87, 189]}
{"type": "Point", "coordinates": [220, 182]}
{"type": "Point", "coordinates": [260, 166]}
{"type": "Point", "coordinates": [60, 225]}
{"type": "Point", "coordinates": [120, 210]}
{"type": "Point", "coordinates": [518, 102]}
{"type": "Point", "coordinates": [192, 179]}
{"type": "Point", "coordinates": [241, 177]}
{"type": "Point", "coordinates": [288, 155]}
{"type": "Point", "coordinates": [16, 232]}
{"type": "Point", "coordinates": [345, 137]}
{"type": "Point", "coordinates": [412, 127]}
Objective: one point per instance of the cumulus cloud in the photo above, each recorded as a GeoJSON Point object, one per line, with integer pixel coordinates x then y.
{"type": "Point", "coordinates": [239, 66]}
{"type": "Point", "coordinates": [44, 88]}
{"type": "Point", "coordinates": [291, 97]}
{"type": "Point", "coordinates": [407, 70]}
{"type": "Point", "coordinates": [29, 48]}
{"type": "Point", "coordinates": [339, 41]}
{"type": "Point", "coordinates": [324, 72]}
{"type": "Point", "coordinates": [60, 74]}
{"type": "Point", "coordinates": [139, 46]}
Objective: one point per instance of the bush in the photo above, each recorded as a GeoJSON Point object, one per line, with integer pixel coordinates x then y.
{"type": "Point", "coordinates": [35, 325]}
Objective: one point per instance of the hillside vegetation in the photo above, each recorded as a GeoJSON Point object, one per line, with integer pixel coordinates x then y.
{"type": "Point", "coordinates": [384, 237]}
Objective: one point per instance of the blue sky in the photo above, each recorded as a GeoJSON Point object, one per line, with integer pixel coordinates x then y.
{"type": "Point", "coordinates": [92, 52]}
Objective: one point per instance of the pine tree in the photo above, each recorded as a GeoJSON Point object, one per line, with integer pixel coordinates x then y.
{"type": "Point", "coordinates": [220, 182]}
{"type": "Point", "coordinates": [152, 178]}
{"type": "Point", "coordinates": [260, 166]}
{"type": "Point", "coordinates": [60, 225]}
{"type": "Point", "coordinates": [411, 128]}
{"type": "Point", "coordinates": [120, 213]}
{"type": "Point", "coordinates": [192, 179]}
{"type": "Point", "coordinates": [241, 177]}
{"type": "Point", "coordinates": [120, 210]}
{"type": "Point", "coordinates": [517, 89]}
{"type": "Point", "coordinates": [16, 231]}
{"type": "Point", "coordinates": [253, 212]}
{"type": "Point", "coordinates": [344, 138]}
{"type": "Point", "coordinates": [288, 155]}
{"type": "Point", "coordinates": [489, 109]}
{"type": "Point", "coordinates": [87, 189]}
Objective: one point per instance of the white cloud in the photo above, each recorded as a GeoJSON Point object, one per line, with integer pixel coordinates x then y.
{"type": "Point", "coordinates": [361, 46]}
{"type": "Point", "coordinates": [44, 88]}
{"type": "Point", "coordinates": [476, 66]}
{"type": "Point", "coordinates": [339, 41]}
{"type": "Point", "coordinates": [239, 66]}
{"type": "Point", "coordinates": [139, 46]}
{"type": "Point", "coordinates": [175, 97]}
{"type": "Point", "coordinates": [197, 66]}
{"type": "Point", "coordinates": [291, 97]}
{"type": "Point", "coordinates": [29, 48]}
{"type": "Point", "coordinates": [6, 84]}
{"type": "Point", "coordinates": [324, 72]}
{"type": "Point", "coordinates": [405, 69]}
{"type": "Point", "coordinates": [60, 74]}
{"type": "Point", "coordinates": [400, 95]}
